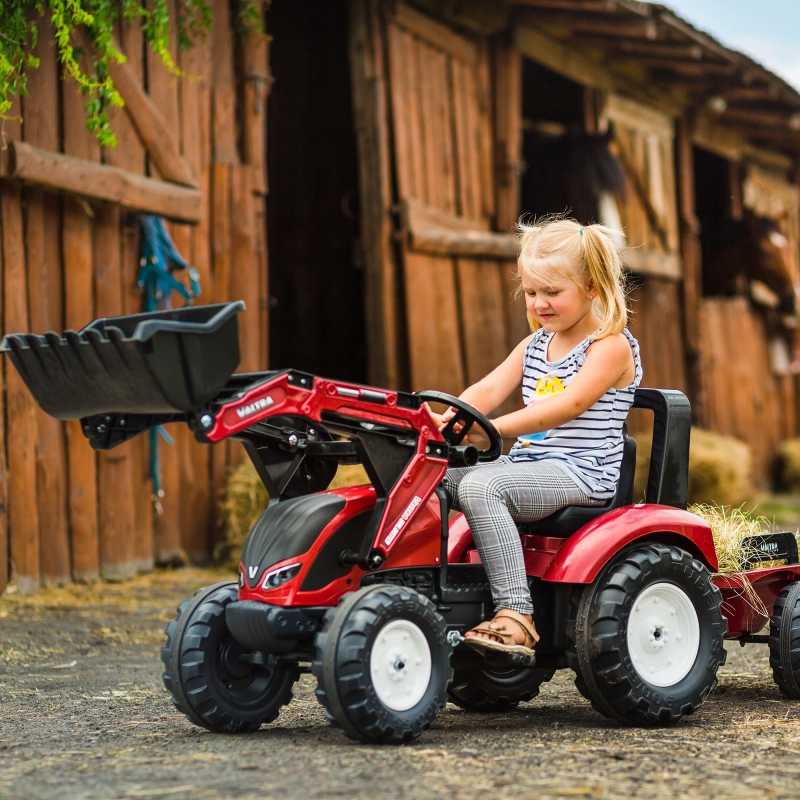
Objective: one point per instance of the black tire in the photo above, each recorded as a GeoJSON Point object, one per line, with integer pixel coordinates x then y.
{"type": "Point", "coordinates": [202, 672]}
{"type": "Point", "coordinates": [343, 651]}
{"type": "Point", "coordinates": [607, 672]}
{"type": "Point", "coordinates": [784, 641]}
{"type": "Point", "coordinates": [481, 686]}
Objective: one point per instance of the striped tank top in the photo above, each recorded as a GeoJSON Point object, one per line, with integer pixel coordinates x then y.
{"type": "Point", "coordinates": [589, 446]}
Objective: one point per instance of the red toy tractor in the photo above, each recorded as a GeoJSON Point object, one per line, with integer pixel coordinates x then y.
{"type": "Point", "coordinates": [371, 588]}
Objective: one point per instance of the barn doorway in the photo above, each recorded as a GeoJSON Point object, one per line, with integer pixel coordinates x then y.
{"type": "Point", "coordinates": [315, 278]}
{"type": "Point", "coordinates": [570, 165]}
{"type": "Point", "coordinates": [714, 208]}
{"type": "Point", "coordinates": [552, 109]}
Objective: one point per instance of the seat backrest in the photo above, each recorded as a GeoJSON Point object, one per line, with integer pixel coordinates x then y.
{"type": "Point", "coordinates": [569, 519]}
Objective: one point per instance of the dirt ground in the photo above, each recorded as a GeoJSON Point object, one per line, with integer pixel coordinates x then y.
{"type": "Point", "coordinates": [83, 714]}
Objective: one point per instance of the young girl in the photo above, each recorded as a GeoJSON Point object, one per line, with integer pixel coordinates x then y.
{"type": "Point", "coordinates": [578, 373]}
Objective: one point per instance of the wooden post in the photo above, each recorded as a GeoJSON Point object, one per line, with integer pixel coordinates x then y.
{"type": "Point", "coordinates": [162, 87]}
{"type": "Point", "coordinates": [42, 244]}
{"type": "Point", "coordinates": [23, 510]}
{"type": "Point", "coordinates": [507, 64]}
{"type": "Point", "coordinates": [197, 494]}
{"type": "Point", "coordinates": [116, 508]}
{"type": "Point", "coordinates": [382, 293]}
{"type": "Point", "coordinates": [245, 262]}
{"type": "Point", "coordinates": [692, 267]}
{"type": "Point", "coordinates": [224, 87]}
{"type": "Point", "coordinates": [78, 311]}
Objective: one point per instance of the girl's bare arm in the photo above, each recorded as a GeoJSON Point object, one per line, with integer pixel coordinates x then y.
{"type": "Point", "coordinates": [606, 362]}
{"type": "Point", "coordinates": [493, 389]}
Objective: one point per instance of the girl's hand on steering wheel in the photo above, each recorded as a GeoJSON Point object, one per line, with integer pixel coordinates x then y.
{"type": "Point", "coordinates": [477, 438]}
{"type": "Point", "coordinates": [442, 419]}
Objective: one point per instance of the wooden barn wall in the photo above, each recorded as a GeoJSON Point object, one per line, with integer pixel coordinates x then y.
{"type": "Point", "coordinates": [67, 512]}
{"type": "Point", "coordinates": [460, 314]}
{"type": "Point", "coordinates": [742, 395]}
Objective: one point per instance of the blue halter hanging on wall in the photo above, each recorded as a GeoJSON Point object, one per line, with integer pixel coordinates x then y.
{"type": "Point", "coordinates": [158, 261]}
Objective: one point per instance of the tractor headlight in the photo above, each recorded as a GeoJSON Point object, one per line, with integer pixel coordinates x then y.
{"type": "Point", "coordinates": [279, 576]}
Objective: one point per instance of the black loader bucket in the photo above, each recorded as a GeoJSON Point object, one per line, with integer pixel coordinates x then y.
{"type": "Point", "coordinates": [161, 362]}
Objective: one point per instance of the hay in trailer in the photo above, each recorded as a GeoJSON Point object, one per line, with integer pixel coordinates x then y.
{"type": "Point", "coordinates": [730, 528]}
{"type": "Point", "coordinates": [245, 498]}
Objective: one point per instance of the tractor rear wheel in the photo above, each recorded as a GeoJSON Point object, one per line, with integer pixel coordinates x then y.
{"type": "Point", "coordinates": [480, 685]}
{"type": "Point", "coordinates": [649, 636]}
{"type": "Point", "coordinates": [784, 641]}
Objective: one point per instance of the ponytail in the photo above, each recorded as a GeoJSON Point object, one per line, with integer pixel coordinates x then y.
{"type": "Point", "coordinates": [604, 273]}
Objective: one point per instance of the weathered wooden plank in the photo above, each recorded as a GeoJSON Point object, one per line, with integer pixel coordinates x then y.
{"type": "Point", "coordinates": [224, 87]}
{"type": "Point", "coordinates": [196, 491]}
{"type": "Point", "coordinates": [483, 319]}
{"type": "Point", "coordinates": [78, 311]}
{"type": "Point", "coordinates": [517, 322]}
{"type": "Point", "coordinates": [691, 285]}
{"type": "Point", "coordinates": [434, 339]}
{"type": "Point", "coordinates": [67, 174]}
{"type": "Point", "coordinates": [485, 132]}
{"type": "Point", "coordinates": [434, 32]}
{"type": "Point", "coordinates": [444, 130]}
{"type": "Point", "coordinates": [151, 121]}
{"type": "Point", "coordinates": [23, 510]}
{"type": "Point", "coordinates": [257, 81]}
{"type": "Point", "coordinates": [402, 70]}
{"type": "Point", "coordinates": [220, 202]}
{"type": "Point", "coordinates": [43, 251]}
{"type": "Point", "coordinates": [465, 201]}
{"type": "Point", "coordinates": [437, 240]}
{"type": "Point", "coordinates": [116, 513]}
{"type": "Point", "coordinates": [369, 72]}
{"type": "Point", "coordinates": [432, 176]}
{"type": "Point", "coordinates": [130, 155]}
{"type": "Point", "coordinates": [243, 255]}
{"type": "Point", "coordinates": [507, 71]}
{"type": "Point", "coordinates": [162, 87]}
{"type": "Point", "coordinates": [438, 232]}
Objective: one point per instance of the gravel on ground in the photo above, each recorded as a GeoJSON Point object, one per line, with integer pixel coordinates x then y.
{"type": "Point", "coordinates": [85, 717]}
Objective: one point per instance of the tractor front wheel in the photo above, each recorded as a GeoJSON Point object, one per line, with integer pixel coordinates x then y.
{"type": "Point", "coordinates": [382, 663]}
{"type": "Point", "coordinates": [214, 681]}
{"type": "Point", "coordinates": [649, 636]}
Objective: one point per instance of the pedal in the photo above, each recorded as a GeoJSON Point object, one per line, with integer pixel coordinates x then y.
{"type": "Point", "coordinates": [454, 639]}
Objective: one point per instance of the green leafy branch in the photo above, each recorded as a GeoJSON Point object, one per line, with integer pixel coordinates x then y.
{"type": "Point", "coordinates": [74, 23]}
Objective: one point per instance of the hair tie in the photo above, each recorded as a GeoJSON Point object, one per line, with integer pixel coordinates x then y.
{"type": "Point", "coordinates": [580, 231]}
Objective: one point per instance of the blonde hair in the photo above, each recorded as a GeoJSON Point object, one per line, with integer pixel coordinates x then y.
{"type": "Point", "coordinates": [585, 253]}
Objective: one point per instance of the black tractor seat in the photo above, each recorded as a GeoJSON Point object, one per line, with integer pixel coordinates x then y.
{"type": "Point", "coordinates": [569, 519]}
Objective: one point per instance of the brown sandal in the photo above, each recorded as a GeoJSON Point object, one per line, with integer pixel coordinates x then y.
{"type": "Point", "coordinates": [500, 638]}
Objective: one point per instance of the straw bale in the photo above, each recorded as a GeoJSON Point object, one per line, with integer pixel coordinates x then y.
{"type": "Point", "coordinates": [788, 466]}
{"type": "Point", "coordinates": [720, 468]}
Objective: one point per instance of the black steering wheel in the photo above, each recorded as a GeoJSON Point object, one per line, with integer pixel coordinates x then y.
{"type": "Point", "coordinates": [467, 416]}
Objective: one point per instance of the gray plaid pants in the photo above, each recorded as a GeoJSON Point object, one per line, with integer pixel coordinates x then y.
{"type": "Point", "coordinates": [496, 494]}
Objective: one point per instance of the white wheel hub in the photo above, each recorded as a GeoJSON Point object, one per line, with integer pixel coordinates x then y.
{"type": "Point", "coordinates": [400, 665]}
{"type": "Point", "coordinates": [663, 634]}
